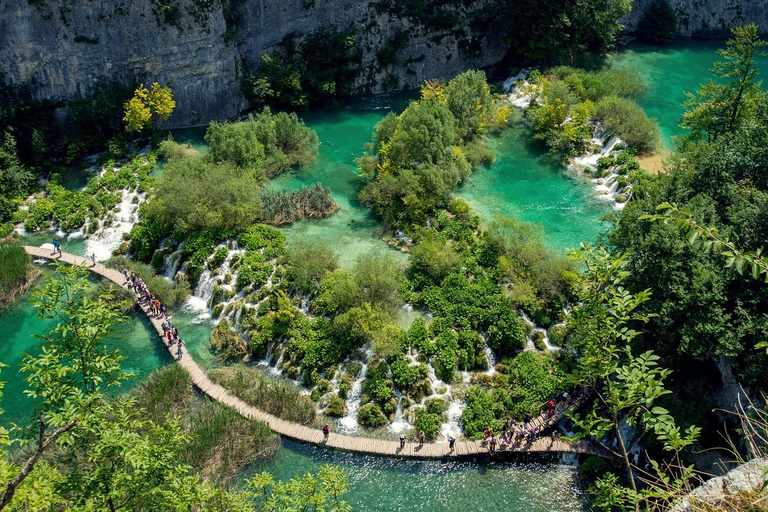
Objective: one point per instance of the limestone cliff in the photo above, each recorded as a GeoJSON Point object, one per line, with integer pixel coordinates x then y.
{"type": "Point", "coordinates": [201, 48]}
{"type": "Point", "coordinates": [707, 18]}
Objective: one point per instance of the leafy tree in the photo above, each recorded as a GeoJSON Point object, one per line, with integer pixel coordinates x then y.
{"type": "Point", "coordinates": [321, 69]}
{"type": "Point", "coordinates": [147, 103]}
{"type": "Point", "coordinates": [659, 23]}
{"type": "Point", "coordinates": [314, 493]}
{"type": "Point", "coordinates": [720, 108]}
{"type": "Point", "coordinates": [15, 178]}
{"type": "Point", "coordinates": [627, 385]}
{"type": "Point", "coordinates": [561, 31]}
{"type": "Point", "coordinates": [308, 266]}
{"type": "Point", "coordinates": [73, 368]}
{"type": "Point", "coordinates": [196, 194]}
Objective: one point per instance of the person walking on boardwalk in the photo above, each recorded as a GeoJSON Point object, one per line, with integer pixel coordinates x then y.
{"type": "Point", "coordinates": [421, 437]}
{"type": "Point", "coordinates": [402, 440]}
{"type": "Point", "coordinates": [451, 442]}
{"type": "Point", "coordinates": [179, 350]}
{"type": "Point", "coordinates": [493, 444]}
{"type": "Point", "coordinates": [55, 247]}
{"type": "Point", "coordinates": [326, 431]}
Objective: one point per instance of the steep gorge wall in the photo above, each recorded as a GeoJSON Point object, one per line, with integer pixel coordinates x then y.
{"type": "Point", "coordinates": [707, 18]}
{"type": "Point", "coordinates": [201, 48]}
{"type": "Point", "coordinates": [60, 48]}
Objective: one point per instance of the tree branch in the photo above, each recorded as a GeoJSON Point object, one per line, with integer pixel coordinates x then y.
{"type": "Point", "coordinates": [42, 444]}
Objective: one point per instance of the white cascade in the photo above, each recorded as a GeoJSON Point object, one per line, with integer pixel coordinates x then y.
{"type": "Point", "coordinates": [489, 356]}
{"type": "Point", "coordinates": [171, 265]}
{"type": "Point", "coordinates": [399, 424]}
{"type": "Point", "coordinates": [452, 425]}
{"type": "Point", "coordinates": [348, 424]}
{"type": "Point", "coordinates": [108, 238]}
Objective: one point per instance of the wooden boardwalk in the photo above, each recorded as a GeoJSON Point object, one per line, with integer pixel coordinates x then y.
{"type": "Point", "coordinates": [315, 436]}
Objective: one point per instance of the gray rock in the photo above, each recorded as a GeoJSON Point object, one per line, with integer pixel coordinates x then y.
{"type": "Point", "coordinates": [746, 477]}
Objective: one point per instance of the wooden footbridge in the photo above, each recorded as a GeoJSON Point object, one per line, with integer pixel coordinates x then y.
{"type": "Point", "coordinates": [342, 442]}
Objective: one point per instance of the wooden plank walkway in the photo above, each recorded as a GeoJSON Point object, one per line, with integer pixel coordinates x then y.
{"type": "Point", "coordinates": [338, 441]}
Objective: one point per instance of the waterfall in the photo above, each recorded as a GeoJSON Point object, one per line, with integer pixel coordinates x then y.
{"type": "Point", "coordinates": [452, 425]}
{"type": "Point", "coordinates": [606, 187]}
{"type": "Point", "coordinates": [490, 357]}
{"type": "Point", "coordinates": [348, 424]}
{"type": "Point", "coordinates": [569, 459]}
{"type": "Point", "coordinates": [109, 238]}
{"type": "Point", "coordinates": [399, 424]}
{"type": "Point", "coordinates": [171, 265]}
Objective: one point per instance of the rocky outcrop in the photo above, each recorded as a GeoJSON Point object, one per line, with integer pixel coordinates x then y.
{"type": "Point", "coordinates": [707, 18]}
{"type": "Point", "coordinates": [745, 478]}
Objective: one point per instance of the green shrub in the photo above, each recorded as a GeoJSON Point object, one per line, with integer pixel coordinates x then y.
{"type": "Point", "coordinates": [336, 407]}
{"type": "Point", "coordinates": [370, 415]}
{"type": "Point", "coordinates": [557, 335]}
{"type": "Point", "coordinates": [623, 117]}
{"type": "Point", "coordinates": [227, 342]}
{"type": "Point", "coordinates": [429, 423]}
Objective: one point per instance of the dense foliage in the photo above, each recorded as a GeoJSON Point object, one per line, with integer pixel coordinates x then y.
{"type": "Point", "coordinates": [719, 176]}
{"type": "Point", "coordinates": [568, 101]}
{"type": "Point", "coordinates": [562, 31]}
{"type": "Point", "coordinates": [16, 272]}
{"type": "Point", "coordinates": [319, 69]}
{"type": "Point", "coordinates": [658, 24]}
{"type": "Point", "coordinates": [417, 158]}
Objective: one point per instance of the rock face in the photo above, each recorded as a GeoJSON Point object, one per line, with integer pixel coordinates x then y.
{"type": "Point", "coordinates": [60, 48]}
{"type": "Point", "coordinates": [201, 48]}
{"type": "Point", "coordinates": [707, 18]}
{"type": "Point", "coordinates": [744, 478]}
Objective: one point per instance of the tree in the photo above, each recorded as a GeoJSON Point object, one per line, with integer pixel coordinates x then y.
{"type": "Point", "coordinates": [144, 104]}
{"type": "Point", "coordinates": [659, 23]}
{"type": "Point", "coordinates": [312, 493]}
{"type": "Point", "coordinates": [719, 108]}
{"type": "Point", "coordinates": [73, 368]}
{"type": "Point", "coordinates": [561, 31]}
{"type": "Point", "coordinates": [627, 385]}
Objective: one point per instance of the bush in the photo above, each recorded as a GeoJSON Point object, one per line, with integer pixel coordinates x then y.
{"type": "Point", "coordinates": [370, 415]}
{"type": "Point", "coordinates": [336, 407]}
{"type": "Point", "coordinates": [623, 117]}
{"type": "Point", "coordinates": [429, 423]}
{"type": "Point", "coordinates": [227, 342]}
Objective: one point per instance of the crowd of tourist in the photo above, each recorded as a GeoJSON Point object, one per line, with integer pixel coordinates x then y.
{"type": "Point", "coordinates": [144, 296]}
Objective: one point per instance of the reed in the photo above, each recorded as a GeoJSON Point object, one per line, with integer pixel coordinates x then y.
{"type": "Point", "coordinates": [276, 397]}
{"type": "Point", "coordinates": [17, 273]}
{"type": "Point", "coordinates": [285, 207]}
{"type": "Point", "coordinates": [222, 441]}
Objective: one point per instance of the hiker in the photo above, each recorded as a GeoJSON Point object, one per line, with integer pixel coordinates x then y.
{"type": "Point", "coordinates": [166, 328]}
{"type": "Point", "coordinates": [402, 440]}
{"type": "Point", "coordinates": [526, 419]}
{"type": "Point", "coordinates": [179, 351]}
{"type": "Point", "coordinates": [55, 247]}
{"type": "Point", "coordinates": [326, 431]}
{"type": "Point", "coordinates": [566, 397]}
{"type": "Point", "coordinates": [93, 259]}
{"type": "Point", "coordinates": [169, 337]}
{"type": "Point", "coordinates": [493, 444]}
{"type": "Point", "coordinates": [421, 437]}
{"type": "Point", "coordinates": [487, 433]}
{"type": "Point", "coordinates": [451, 442]}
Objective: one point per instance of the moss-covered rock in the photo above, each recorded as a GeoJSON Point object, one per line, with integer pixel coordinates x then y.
{"type": "Point", "coordinates": [336, 407]}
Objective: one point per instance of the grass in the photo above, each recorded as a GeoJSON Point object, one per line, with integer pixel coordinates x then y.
{"type": "Point", "coordinates": [223, 441]}
{"type": "Point", "coordinates": [276, 397]}
{"type": "Point", "coordinates": [17, 272]}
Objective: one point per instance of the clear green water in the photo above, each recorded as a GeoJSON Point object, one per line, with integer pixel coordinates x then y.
{"type": "Point", "coordinates": [380, 484]}
{"type": "Point", "coordinates": [525, 182]}
{"type": "Point", "coordinates": [671, 71]}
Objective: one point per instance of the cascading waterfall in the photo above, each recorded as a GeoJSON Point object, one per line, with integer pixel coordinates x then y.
{"type": "Point", "coordinates": [489, 356]}
{"type": "Point", "coordinates": [348, 424]}
{"type": "Point", "coordinates": [606, 187]}
{"type": "Point", "coordinates": [171, 265]}
{"type": "Point", "coordinates": [399, 424]}
{"type": "Point", "coordinates": [108, 238]}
